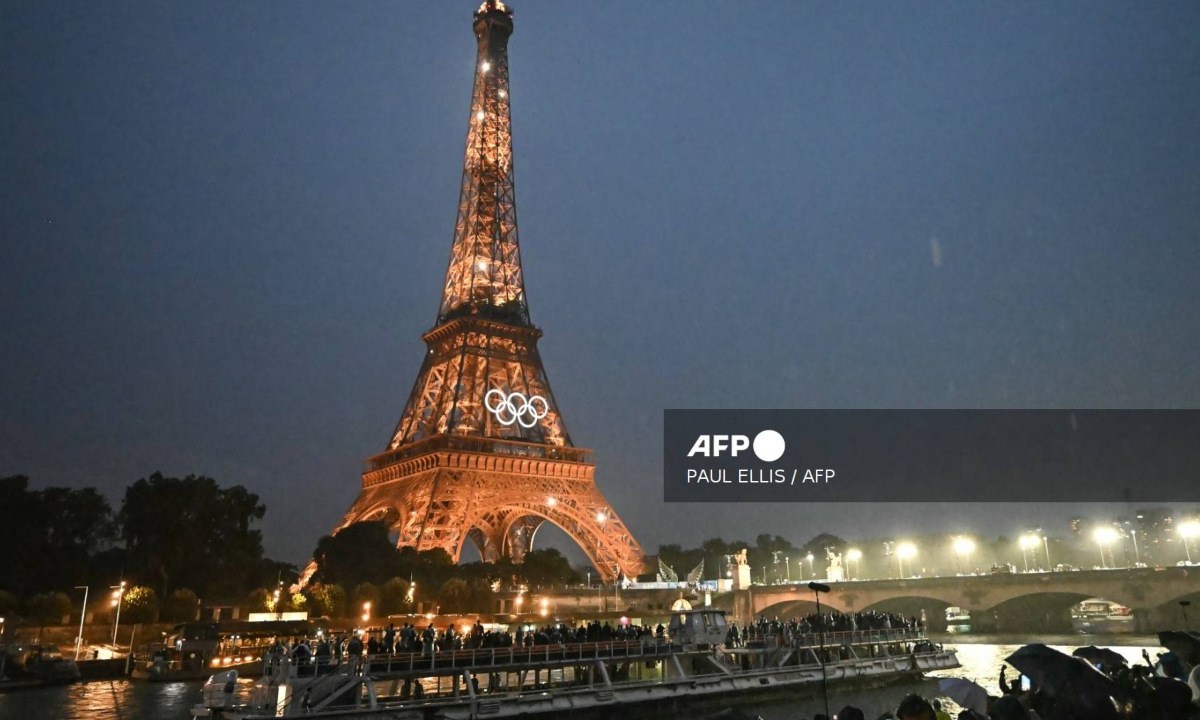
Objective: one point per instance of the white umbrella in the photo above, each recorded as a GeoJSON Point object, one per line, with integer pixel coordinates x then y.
{"type": "Point", "coordinates": [966, 693]}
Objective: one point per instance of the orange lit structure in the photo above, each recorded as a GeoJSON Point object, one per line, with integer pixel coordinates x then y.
{"type": "Point", "coordinates": [481, 451]}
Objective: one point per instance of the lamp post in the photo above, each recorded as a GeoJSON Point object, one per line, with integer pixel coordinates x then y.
{"type": "Point", "coordinates": [812, 572]}
{"type": "Point", "coordinates": [888, 553]}
{"type": "Point", "coordinates": [1046, 544]}
{"type": "Point", "coordinates": [905, 551]}
{"type": "Point", "coordinates": [118, 595]}
{"type": "Point", "coordinates": [1188, 530]}
{"type": "Point", "coordinates": [82, 615]}
{"type": "Point", "coordinates": [817, 589]}
{"type": "Point", "coordinates": [963, 547]}
{"type": "Point", "coordinates": [1028, 542]}
{"type": "Point", "coordinates": [787, 567]}
{"type": "Point", "coordinates": [854, 555]}
{"type": "Point", "coordinates": [1104, 536]}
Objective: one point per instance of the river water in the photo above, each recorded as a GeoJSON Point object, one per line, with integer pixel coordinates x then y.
{"type": "Point", "coordinates": [123, 700]}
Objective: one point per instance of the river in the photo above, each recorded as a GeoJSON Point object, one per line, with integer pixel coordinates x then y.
{"type": "Point", "coordinates": [125, 700]}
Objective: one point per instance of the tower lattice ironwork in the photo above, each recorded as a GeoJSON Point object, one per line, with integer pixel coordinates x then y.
{"type": "Point", "coordinates": [481, 452]}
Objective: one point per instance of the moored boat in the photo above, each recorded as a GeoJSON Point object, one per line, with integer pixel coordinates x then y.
{"type": "Point", "coordinates": [194, 651]}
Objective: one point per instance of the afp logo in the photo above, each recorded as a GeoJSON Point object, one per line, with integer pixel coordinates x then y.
{"type": "Point", "coordinates": [768, 445]}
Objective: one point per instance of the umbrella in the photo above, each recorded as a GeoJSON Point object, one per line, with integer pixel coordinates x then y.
{"type": "Point", "coordinates": [1068, 679]}
{"type": "Point", "coordinates": [966, 693]}
{"type": "Point", "coordinates": [1101, 656]}
{"type": "Point", "coordinates": [1184, 644]}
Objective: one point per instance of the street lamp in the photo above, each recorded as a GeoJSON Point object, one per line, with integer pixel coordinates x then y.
{"type": "Point", "coordinates": [854, 555]}
{"type": "Point", "coordinates": [963, 546]}
{"type": "Point", "coordinates": [811, 571]}
{"type": "Point", "coordinates": [1187, 531]}
{"type": "Point", "coordinates": [82, 615]}
{"type": "Point", "coordinates": [1104, 536]}
{"type": "Point", "coordinates": [1046, 544]}
{"type": "Point", "coordinates": [1028, 542]}
{"type": "Point", "coordinates": [117, 596]}
{"type": "Point", "coordinates": [787, 567]}
{"type": "Point", "coordinates": [905, 551]}
{"type": "Point", "coordinates": [366, 616]}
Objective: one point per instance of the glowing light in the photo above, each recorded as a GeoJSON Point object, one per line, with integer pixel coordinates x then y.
{"type": "Point", "coordinates": [1029, 541]}
{"type": "Point", "coordinates": [479, 115]}
{"type": "Point", "coordinates": [600, 517]}
{"type": "Point", "coordinates": [485, 66]}
{"type": "Point", "coordinates": [502, 93]}
{"type": "Point", "coordinates": [964, 546]}
{"type": "Point", "coordinates": [906, 551]}
{"type": "Point", "coordinates": [854, 554]}
{"type": "Point", "coordinates": [551, 502]}
{"type": "Point", "coordinates": [1189, 529]}
{"type": "Point", "coordinates": [1104, 535]}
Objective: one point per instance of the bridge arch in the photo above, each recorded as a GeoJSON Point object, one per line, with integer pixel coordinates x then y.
{"type": "Point", "coordinates": [911, 605]}
{"type": "Point", "coordinates": [788, 609]}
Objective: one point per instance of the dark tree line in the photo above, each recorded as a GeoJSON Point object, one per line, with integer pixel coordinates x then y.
{"type": "Point", "coordinates": [183, 538]}
{"type": "Point", "coordinates": [363, 552]}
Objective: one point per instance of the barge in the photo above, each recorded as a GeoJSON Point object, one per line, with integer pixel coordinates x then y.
{"type": "Point", "coordinates": [690, 668]}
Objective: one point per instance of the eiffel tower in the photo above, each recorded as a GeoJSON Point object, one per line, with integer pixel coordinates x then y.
{"type": "Point", "coordinates": [481, 452]}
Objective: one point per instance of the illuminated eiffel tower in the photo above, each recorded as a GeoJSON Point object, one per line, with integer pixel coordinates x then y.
{"type": "Point", "coordinates": [481, 451]}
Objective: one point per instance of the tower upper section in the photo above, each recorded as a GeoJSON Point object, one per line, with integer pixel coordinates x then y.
{"type": "Point", "coordinates": [484, 277]}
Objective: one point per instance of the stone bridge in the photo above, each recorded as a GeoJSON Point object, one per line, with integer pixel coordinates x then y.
{"type": "Point", "coordinates": [997, 603]}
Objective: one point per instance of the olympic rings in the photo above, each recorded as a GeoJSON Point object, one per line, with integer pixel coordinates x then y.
{"type": "Point", "coordinates": [516, 408]}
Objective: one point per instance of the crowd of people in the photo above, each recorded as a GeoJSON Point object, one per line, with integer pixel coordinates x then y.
{"type": "Point", "coordinates": [1138, 692]}
{"type": "Point", "coordinates": [814, 623]}
{"type": "Point", "coordinates": [408, 638]}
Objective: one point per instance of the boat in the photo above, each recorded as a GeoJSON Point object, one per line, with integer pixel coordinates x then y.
{"type": "Point", "coordinates": [35, 665]}
{"type": "Point", "coordinates": [193, 651]}
{"type": "Point", "coordinates": [690, 666]}
{"type": "Point", "coordinates": [957, 616]}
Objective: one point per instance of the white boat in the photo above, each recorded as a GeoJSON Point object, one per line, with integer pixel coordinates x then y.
{"type": "Point", "coordinates": [693, 666]}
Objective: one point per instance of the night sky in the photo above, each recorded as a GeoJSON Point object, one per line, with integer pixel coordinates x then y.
{"type": "Point", "coordinates": [224, 226]}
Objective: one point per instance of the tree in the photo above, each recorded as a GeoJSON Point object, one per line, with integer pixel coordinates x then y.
{"type": "Point", "coordinates": [820, 543]}
{"type": "Point", "coordinates": [140, 605]}
{"type": "Point", "coordinates": [455, 596]}
{"type": "Point", "coordinates": [191, 532]}
{"type": "Point", "coordinates": [259, 600]}
{"type": "Point", "coordinates": [356, 554]}
{"type": "Point", "coordinates": [49, 608]}
{"type": "Point", "coordinates": [546, 567]}
{"type": "Point", "coordinates": [364, 593]}
{"type": "Point", "coordinates": [327, 600]}
{"type": "Point", "coordinates": [50, 537]}
{"type": "Point", "coordinates": [393, 597]}
{"type": "Point", "coordinates": [181, 606]}
{"type": "Point", "coordinates": [714, 552]}
{"type": "Point", "coordinates": [8, 603]}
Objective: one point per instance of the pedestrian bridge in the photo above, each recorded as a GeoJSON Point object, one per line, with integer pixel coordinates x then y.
{"type": "Point", "coordinates": [996, 602]}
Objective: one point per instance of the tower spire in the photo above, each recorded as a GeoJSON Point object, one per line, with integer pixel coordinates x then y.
{"type": "Point", "coordinates": [484, 277]}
